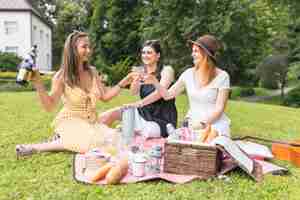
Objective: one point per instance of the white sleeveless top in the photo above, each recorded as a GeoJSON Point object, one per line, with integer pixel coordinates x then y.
{"type": "Point", "coordinates": [203, 100]}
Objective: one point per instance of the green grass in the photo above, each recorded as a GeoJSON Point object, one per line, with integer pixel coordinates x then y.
{"type": "Point", "coordinates": [7, 75]}
{"type": "Point", "coordinates": [49, 176]}
{"type": "Point", "coordinates": [275, 100]}
{"type": "Point", "coordinates": [8, 82]}
{"type": "Point", "coordinates": [237, 90]}
{"type": "Point", "coordinates": [262, 91]}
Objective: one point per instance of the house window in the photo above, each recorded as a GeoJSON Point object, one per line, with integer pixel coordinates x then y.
{"type": "Point", "coordinates": [41, 35]}
{"type": "Point", "coordinates": [47, 39]}
{"type": "Point", "coordinates": [10, 27]}
{"type": "Point", "coordinates": [48, 61]}
{"type": "Point", "coordinates": [34, 32]}
{"type": "Point", "coordinates": [11, 49]}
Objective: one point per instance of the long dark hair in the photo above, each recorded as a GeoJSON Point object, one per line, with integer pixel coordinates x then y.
{"type": "Point", "coordinates": [70, 59]}
{"type": "Point", "coordinates": [155, 45]}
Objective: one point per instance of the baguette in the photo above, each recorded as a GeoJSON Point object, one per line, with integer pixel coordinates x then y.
{"type": "Point", "coordinates": [212, 135]}
{"type": "Point", "coordinates": [117, 172]}
{"type": "Point", "coordinates": [205, 133]}
{"type": "Point", "coordinates": [100, 173]}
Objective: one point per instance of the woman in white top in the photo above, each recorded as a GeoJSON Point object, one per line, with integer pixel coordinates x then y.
{"type": "Point", "coordinates": [207, 88]}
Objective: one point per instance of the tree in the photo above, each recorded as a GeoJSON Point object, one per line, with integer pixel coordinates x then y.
{"type": "Point", "coordinates": [118, 27]}
{"type": "Point", "coordinates": [47, 8]}
{"type": "Point", "coordinates": [165, 20]}
{"type": "Point", "coordinates": [274, 69]}
{"type": "Point", "coordinates": [70, 16]}
{"type": "Point", "coordinates": [293, 27]}
{"type": "Point", "coordinates": [114, 29]}
{"type": "Point", "coordinates": [9, 61]}
{"type": "Point", "coordinates": [234, 22]}
{"type": "Point", "coordinates": [97, 29]}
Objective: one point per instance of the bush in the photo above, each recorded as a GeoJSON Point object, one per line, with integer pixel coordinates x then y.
{"type": "Point", "coordinates": [235, 92]}
{"type": "Point", "coordinates": [271, 69]}
{"type": "Point", "coordinates": [9, 61]}
{"type": "Point", "coordinates": [9, 84]}
{"type": "Point", "coordinates": [262, 91]}
{"type": "Point", "coordinates": [270, 83]}
{"type": "Point", "coordinates": [246, 92]}
{"type": "Point", "coordinates": [119, 70]}
{"type": "Point", "coordinates": [238, 92]}
{"type": "Point", "coordinates": [293, 98]}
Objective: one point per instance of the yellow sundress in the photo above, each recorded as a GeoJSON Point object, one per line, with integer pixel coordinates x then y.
{"type": "Point", "coordinates": [77, 122]}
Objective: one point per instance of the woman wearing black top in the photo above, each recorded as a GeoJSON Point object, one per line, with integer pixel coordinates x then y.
{"type": "Point", "coordinates": [153, 113]}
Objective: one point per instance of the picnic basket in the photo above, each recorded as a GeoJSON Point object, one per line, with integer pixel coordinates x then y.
{"type": "Point", "coordinates": [192, 159]}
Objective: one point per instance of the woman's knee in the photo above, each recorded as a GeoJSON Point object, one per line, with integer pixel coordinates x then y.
{"type": "Point", "coordinates": [110, 116]}
{"type": "Point", "coordinates": [151, 130]}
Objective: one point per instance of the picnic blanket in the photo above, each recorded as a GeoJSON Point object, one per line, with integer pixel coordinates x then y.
{"type": "Point", "coordinates": [228, 164]}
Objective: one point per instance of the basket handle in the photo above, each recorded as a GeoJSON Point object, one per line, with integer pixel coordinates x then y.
{"type": "Point", "coordinates": [266, 140]}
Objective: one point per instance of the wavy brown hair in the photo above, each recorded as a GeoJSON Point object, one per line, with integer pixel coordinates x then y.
{"type": "Point", "coordinates": [207, 67]}
{"type": "Point", "coordinates": [70, 60]}
{"type": "Point", "coordinates": [209, 45]}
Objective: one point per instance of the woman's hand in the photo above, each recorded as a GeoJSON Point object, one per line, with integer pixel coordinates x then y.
{"type": "Point", "coordinates": [150, 79]}
{"type": "Point", "coordinates": [49, 101]}
{"type": "Point", "coordinates": [35, 76]}
{"type": "Point", "coordinates": [132, 76]}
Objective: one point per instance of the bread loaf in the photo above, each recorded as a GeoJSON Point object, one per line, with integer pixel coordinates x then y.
{"type": "Point", "coordinates": [100, 173]}
{"type": "Point", "coordinates": [117, 172]}
{"type": "Point", "coordinates": [205, 133]}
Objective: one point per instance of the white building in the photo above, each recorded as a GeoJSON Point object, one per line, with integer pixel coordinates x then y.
{"type": "Point", "coordinates": [21, 27]}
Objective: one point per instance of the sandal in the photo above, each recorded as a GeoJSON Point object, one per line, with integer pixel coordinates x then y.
{"type": "Point", "coordinates": [24, 150]}
{"type": "Point", "coordinates": [55, 137]}
{"type": "Point", "coordinates": [27, 150]}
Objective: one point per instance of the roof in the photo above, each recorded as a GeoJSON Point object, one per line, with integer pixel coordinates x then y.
{"type": "Point", "coordinates": [21, 5]}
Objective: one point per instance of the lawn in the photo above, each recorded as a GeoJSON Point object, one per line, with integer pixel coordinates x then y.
{"type": "Point", "coordinates": [8, 82]}
{"type": "Point", "coordinates": [49, 176]}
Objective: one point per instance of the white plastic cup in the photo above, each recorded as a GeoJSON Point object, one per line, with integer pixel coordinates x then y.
{"type": "Point", "coordinates": [140, 70]}
{"type": "Point", "coordinates": [138, 165]}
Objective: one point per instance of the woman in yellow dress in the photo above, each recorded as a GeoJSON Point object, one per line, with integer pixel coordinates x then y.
{"type": "Point", "coordinates": [79, 87]}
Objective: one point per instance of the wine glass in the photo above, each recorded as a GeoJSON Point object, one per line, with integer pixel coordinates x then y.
{"type": "Point", "coordinates": [140, 70]}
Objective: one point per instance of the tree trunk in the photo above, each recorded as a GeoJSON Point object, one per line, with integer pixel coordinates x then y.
{"type": "Point", "coordinates": [282, 92]}
{"type": "Point", "coordinates": [283, 83]}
